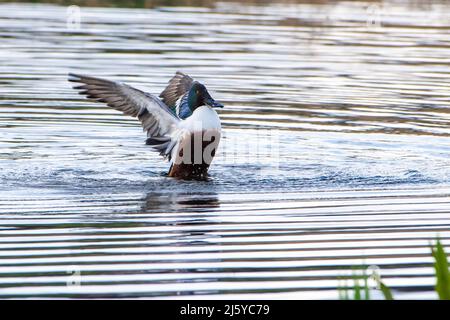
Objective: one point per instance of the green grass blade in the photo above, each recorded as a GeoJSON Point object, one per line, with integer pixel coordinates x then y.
{"type": "Point", "coordinates": [341, 290]}
{"type": "Point", "coordinates": [357, 288]}
{"type": "Point", "coordinates": [366, 287]}
{"type": "Point", "coordinates": [441, 270]}
{"type": "Point", "coordinates": [346, 295]}
{"type": "Point", "coordinates": [385, 291]}
{"type": "Point", "coordinates": [360, 291]}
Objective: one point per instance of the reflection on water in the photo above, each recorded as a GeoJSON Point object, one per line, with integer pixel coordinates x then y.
{"type": "Point", "coordinates": [354, 94]}
{"type": "Point", "coordinates": [180, 202]}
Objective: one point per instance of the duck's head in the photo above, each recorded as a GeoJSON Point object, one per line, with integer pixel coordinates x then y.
{"type": "Point", "coordinates": [199, 96]}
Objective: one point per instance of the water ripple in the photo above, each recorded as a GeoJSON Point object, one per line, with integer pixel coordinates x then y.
{"type": "Point", "coordinates": [357, 110]}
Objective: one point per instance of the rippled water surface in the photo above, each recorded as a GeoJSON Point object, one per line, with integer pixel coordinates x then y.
{"type": "Point", "coordinates": [335, 150]}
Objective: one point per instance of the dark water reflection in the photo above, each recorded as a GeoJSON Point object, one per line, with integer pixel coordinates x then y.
{"type": "Point", "coordinates": [336, 149]}
{"type": "Point", "coordinates": [180, 202]}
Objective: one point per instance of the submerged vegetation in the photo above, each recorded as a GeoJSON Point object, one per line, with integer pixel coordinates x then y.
{"type": "Point", "coordinates": [360, 288]}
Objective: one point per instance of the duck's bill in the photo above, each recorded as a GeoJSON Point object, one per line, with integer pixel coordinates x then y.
{"type": "Point", "coordinates": [213, 103]}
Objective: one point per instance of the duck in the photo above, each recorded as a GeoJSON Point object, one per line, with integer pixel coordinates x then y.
{"type": "Point", "coordinates": [181, 123]}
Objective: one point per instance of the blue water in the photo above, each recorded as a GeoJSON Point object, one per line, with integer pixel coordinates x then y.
{"type": "Point", "coordinates": [335, 151]}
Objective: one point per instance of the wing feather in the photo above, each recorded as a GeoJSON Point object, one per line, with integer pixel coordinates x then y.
{"type": "Point", "coordinates": [176, 88]}
{"type": "Point", "coordinates": [156, 118]}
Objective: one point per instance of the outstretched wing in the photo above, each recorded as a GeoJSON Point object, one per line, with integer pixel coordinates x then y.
{"type": "Point", "coordinates": [156, 118]}
{"type": "Point", "coordinates": [177, 87]}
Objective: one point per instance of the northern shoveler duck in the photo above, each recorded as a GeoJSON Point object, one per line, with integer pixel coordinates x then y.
{"type": "Point", "coordinates": [181, 124]}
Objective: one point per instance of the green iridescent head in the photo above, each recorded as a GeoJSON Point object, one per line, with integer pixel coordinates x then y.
{"type": "Point", "coordinates": [198, 96]}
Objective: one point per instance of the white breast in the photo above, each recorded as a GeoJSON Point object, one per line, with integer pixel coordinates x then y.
{"type": "Point", "coordinates": [203, 118]}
